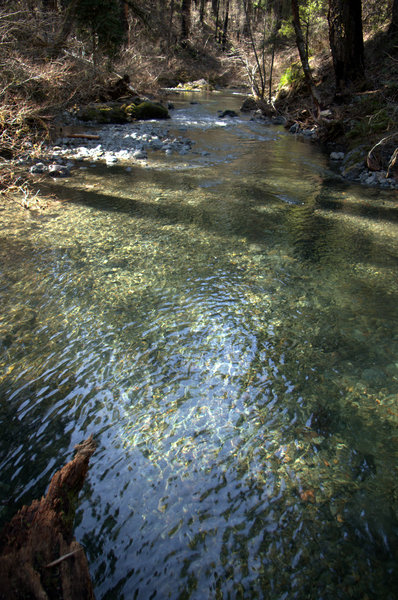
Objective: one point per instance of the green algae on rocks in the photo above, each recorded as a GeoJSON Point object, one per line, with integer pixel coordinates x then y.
{"type": "Point", "coordinates": [116, 112]}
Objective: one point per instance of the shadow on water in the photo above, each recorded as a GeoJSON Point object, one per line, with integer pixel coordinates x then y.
{"type": "Point", "coordinates": [235, 356]}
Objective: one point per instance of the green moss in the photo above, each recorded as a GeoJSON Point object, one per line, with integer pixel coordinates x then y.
{"type": "Point", "coordinates": [147, 110]}
{"type": "Point", "coordinates": [292, 77]}
{"type": "Point", "coordinates": [122, 113]}
{"type": "Point", "coordinates": [378, 122]}
{"type": "Point", "coordinates": [103, 113]}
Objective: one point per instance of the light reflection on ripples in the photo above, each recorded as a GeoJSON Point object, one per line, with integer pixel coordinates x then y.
{"type": "Point", "coordinates": [235, 356]}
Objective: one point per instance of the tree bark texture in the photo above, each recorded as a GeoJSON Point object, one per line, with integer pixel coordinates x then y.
{"type": "Point", "coordinates": [66, 28]}
{"type": "Point", "coordinates": [170, 29]}
{"type": "Point", "coordinates": [346, 42]}
{"type": "Point", "coordinates": [393, 29]}
{"type": "Point", "coordinates": [185, 20]}
{"type": "Point", "coordinates": [124, 16]}
{"type": "Point", "coordinates": [202, 11]}
{"type": "Point", "coordinates": [39, 558]}
{"type": "Point", "coordinates": [225, 27]}
{"type": "Point", "coordinates": [304, 56]}
{"type": "Point", "coordinates": [248, 10]}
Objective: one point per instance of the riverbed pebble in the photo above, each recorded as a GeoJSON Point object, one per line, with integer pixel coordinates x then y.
{"type": "Point", "coordinates": [38, 168]}
{"type": "Point", "coordinates": [129, 142]}
{"type": "Point", "coordinates": [336, 155]}
{"type": "Point", "coordinates": [57, 170]}
{"type": "Point", "coordinates": [140, 154]}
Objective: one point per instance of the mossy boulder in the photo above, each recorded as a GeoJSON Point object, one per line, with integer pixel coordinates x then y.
{"type": "Point", "coordinates": [147, 110]}
{"type": "Point", "coordinates": [354, 163]}
{"type": "Point", "coordinates": [103, 113]}
{"type": "Point", "coordinates": [118, 112]}
{"type": "Point", "coordinates": [249, 104]}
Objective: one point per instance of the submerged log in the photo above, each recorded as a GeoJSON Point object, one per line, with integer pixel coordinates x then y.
{"type": "Point", "coordinates": [39, 557]}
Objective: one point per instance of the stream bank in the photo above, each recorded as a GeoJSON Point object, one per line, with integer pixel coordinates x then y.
{"type": "Point", "coordinates": [129, 143]}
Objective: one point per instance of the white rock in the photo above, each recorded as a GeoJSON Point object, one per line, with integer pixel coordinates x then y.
{"type": "Point", "coordinates": [140, 155]}
{"type": "Point", "coordinates": [337, 155]}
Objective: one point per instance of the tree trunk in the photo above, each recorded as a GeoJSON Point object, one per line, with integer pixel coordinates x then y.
{"type": "Point", "coordinates": [202, 11]}
{"type": "Point", "coordinates": [170, 25]}
{"type": "Point", "coordinates": [185, 20]}
{"type": "Point", "coordinates": [257, 90]}
{"type": "Point", "coordinates": [216, 12]}
{"type": "Point", "coordinates": [275, 28]}
{"type": "Point", "coordinates": [124, 15]}
{"type": "Point", "coordinates": [248, 10]}
{"type": "Point", "coordinates": [66, 28]}
{"type": "Point", "coordinates": [304, 56]}
{"type": "Point", "coordinates": [346, 42]}
{"type": "Point", "coordinates": [393, 29]}
{"type": "Point", "coordinates": [225, 27]}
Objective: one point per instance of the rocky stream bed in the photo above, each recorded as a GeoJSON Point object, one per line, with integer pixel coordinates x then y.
{"type": "Point", "coordinates": [119, 139]}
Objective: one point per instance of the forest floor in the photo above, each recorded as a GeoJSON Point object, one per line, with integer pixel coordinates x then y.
{"type": "Point", "coordinates": [360, 120]}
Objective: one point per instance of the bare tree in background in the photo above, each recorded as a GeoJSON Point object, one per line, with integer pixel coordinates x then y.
{"type": "Point", "coordinates": [304, 56]}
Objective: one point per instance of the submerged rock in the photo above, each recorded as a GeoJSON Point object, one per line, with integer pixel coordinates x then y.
{"type": "Point", "coordinates": [228, 113]}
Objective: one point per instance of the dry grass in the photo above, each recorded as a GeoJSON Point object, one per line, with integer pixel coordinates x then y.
{"type": "Point", "coordinates": [34, 88]}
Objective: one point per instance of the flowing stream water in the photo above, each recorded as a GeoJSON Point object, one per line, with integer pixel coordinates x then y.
{"type": "Point", "coordinates": [226, 324]}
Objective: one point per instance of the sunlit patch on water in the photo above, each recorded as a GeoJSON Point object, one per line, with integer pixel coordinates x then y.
{"type": "Point", "coordinates": [236, 356]}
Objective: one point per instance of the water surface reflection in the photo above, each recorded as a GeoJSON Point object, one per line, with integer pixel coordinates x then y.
{"type": "Point", "coordinates": [229, 334]}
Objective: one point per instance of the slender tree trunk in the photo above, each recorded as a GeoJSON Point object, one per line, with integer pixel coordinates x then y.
{"type": "Point", "coordinates": [185, 20]}
{"type": "Point", "coordinates": [170, 26]}
{"type": "Point", "coordinates": [275, 28]}
{"type": "Point", "coordinates": [248, 9]}
{"type": "Point", "coordinates": [304, 56]}
{"type": "Point", "coordinates": [225, 27]}
{"type": "Point", "coordinates": [258, 91]}
{"type": "Point", "coordinates": [393, 29]}
{"type": "Point", "coordinates": [346, 42]}
{"type": "Point", "coordinates": [124, 15]}
{"type": "Point", "coordinates": [202, 11]}
{"type": "Point", "coordinates": [271, 71]}
{"type": "Point", "coordinates": [216, 12]}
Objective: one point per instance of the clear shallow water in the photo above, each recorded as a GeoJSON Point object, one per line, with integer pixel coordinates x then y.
{"type": "Point", "coordinates": [226, 326]}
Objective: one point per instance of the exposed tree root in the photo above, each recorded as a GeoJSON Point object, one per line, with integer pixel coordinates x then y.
{"type": "Point", "coordinates": [39, 557]}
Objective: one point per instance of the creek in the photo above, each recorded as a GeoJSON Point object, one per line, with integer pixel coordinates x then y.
{"type": "Point", "coordinates": [225, 323]}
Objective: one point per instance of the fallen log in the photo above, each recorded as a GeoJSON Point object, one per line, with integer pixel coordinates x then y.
{"type": "Point", "coordinates": [84, 136]}
{"type": "Point", "coordinates": [39, 557]}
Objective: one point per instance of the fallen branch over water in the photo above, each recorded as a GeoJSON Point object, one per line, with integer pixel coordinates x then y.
{"type": "Point", "coordinates": [39, 557]}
